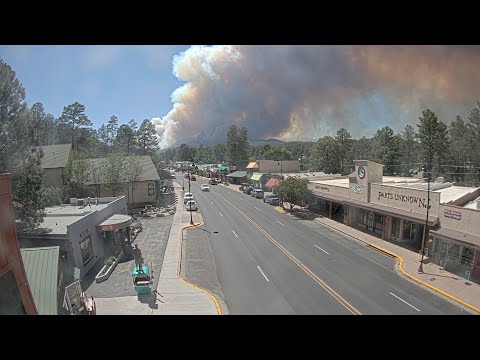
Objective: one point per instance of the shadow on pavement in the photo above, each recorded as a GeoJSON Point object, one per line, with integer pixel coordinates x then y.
{"type": "Point", "coordinates": [150, 299]}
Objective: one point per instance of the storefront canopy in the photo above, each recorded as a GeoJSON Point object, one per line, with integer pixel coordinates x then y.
{"type": "Point", "coordinates": [252, 165]}
{"type": "Point", "coordinates": [238, 174]}
{"type": "Point", "coordinates": [458, 236]}
{"type": "Point", "coordinates": [115, 222]}
{"type": "Point", "coordinates": [256, 176]}
{"type": "Point", "coordinates": [272, 182]}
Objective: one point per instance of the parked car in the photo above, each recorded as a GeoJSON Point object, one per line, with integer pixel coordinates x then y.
{"type": "Point", "coordinates": [205, 187]}
{"type": "Point", "coordinates": [248, 190]}
{"type": "Point", "coordinates": [273, 201]}
{"type": "Point", "coordinates": [191, 205]}
{"type": "Point", "coordinates": [193, 178]}
{"type": "Point", "coordinates": [257, 193]}
{"type": "Point", "coordinates": [187, 197]}
{"type": "Point", "coordinates": [266, 197]}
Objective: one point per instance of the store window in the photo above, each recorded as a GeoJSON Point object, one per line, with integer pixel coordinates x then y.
{"type": "Point", "coordinates": [87, 249]}
{"type": "Point", "coordinates": [478, 260]}
{"type": "Point", "coordinates": [467, 255]}
{"type": "Point", "coordinates": [396, 227]}
{"type": "Point", "coordinates": [361, 217]}
{"type": "Point", "coordinates": [454, 253]}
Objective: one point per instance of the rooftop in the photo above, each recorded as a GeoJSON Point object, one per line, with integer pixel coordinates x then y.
{"type": "Point", "coordinates": [41, 266]}
{"type": "Point", "coordinates": [453, 193]}
{"type": "Point", "coordinates": [472, 204]}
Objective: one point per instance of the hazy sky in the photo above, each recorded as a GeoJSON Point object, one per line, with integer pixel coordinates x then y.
{"type": "Point", "coordinates": [287, 92]}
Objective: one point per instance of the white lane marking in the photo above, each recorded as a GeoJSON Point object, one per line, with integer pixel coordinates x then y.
{"type": "Point", "coordinates": [256, 208]}
{"type": "Point", "coordinates": [321, 249]}
{"type": "Point", "coordinates": [263, 273]}
{"type": "Point", "coordinates": [220, 213]}
{"type": "Point", "coordinates": [211, 202]}
{"type": "Point", "coordinates": [404, 301]}
{"type": "Point", "coordinates": [279, 222]}
{"type": "Point", "coordinates": [234, 233]}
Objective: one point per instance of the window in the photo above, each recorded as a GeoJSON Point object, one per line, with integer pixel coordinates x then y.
{"type": "Point", "coordinates": [454, 253]}
{"type": "Point", "coordinates": [151, 189]}
{"type": "Point", "coordinates": [478, 260]}
{"type": "Point", "coordinates": [396, 227]}
{"type": "Point", "coordinates": [467, 255]}
{"type": "Point", "coordinates": [87, 249]}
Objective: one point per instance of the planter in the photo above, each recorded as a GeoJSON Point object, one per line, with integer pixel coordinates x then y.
{"type": "Point", "coordinates": [104, 274]}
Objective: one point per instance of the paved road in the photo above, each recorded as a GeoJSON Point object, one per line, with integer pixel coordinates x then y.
{"type": "Point", "coordinates": [270, 263]}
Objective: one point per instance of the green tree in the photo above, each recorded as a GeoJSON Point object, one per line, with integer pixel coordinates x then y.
{"type": "Point", "coordinates": [16, 152]}
{"type": "Point", "coordinates": [294, 191]}
{"type": "Point", "coordinates": [72, 120]}
{"type": "Point", "coordinates": [114, 173]}
{"type": "Point", "coordinates": [432, 134]}
{"type": "Point", "coordinates": [460, 149]}
{"type": "Point", "coordinates": [147, 138]}
{"type": "Point", "coordinates": [386, 150]}
{"type": "Point", "coordinates": [324, 156]}
{"type": "Point", "coordinates": [126, 139]}
{"type": "Point", "coordinates": [77, 172]}
{"type": "Point", "coordinates": [219, 152]}
{"type": "Point", "coordinates": [28, 193]}
{"type": "Point", "coordinates": [133, 169]}
{"type": "Point", "coordinates": [344, 148]}
{"type": "Point", "coordinates": [238, 147]}
{"type": "Point", "coordinates": [184, 153]}
{"type": "Point", "coordinates": [408, 148]}
{"type": "Point", "coordinates": [276, 153]}
{"type": "Point", "coordinates": [42, 127]}
{"type": "Point", "coordinates": [361, 148]}
{"type": "Point", "coordinates": [473, 138]}
{"type": "Point", "coordinates": [97, 173]}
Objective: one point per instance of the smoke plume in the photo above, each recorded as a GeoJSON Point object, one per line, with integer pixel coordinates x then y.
{"type": "Point", "coordinates": [306, 92]}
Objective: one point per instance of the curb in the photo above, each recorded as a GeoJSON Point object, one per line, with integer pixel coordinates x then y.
{"type": "Point", "coordinates": [217, 304]}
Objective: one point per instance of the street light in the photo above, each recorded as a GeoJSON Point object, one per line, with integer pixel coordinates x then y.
{"type": "Point", "coordinates": [420, 268]}
{"type": "Point", "coordinates": [191, 215]}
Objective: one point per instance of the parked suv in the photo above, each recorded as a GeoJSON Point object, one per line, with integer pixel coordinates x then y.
{"type": "Point", "coordinates": [266, 197]}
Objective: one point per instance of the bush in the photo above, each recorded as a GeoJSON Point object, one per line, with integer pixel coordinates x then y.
{"type": "Point", "coordinates": [52, 196]}
{"type": "Point", "coordinates": [110, 260]}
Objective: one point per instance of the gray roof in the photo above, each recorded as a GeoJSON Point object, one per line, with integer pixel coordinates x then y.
{"type": "Point", "coordinates": [238, 174]}
{"type": "Point", "coordinates": [55, 156]}
{"type": "Point", "coordinates": [41, 266]}
{"type": "Point", "coordinates": [149, 172]}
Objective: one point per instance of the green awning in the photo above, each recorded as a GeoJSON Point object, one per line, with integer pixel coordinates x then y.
{"type": "Point", "coordinates": [223, 168]}
{"type": "Point", "coordinates": [256, 176]}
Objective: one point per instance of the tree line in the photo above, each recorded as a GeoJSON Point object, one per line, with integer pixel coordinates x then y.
{"type": "Point", "coordinates": [455, 149]}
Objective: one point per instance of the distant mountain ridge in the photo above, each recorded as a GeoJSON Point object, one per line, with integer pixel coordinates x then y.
{"type": "Point", "coordinates": [254, 142]}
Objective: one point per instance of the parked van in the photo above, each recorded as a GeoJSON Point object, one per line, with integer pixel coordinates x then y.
{"type": "Point", "coordinates": [257, 193]}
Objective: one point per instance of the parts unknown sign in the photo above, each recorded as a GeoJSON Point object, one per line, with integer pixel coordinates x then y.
{"type": "Point", "coordinates": [453, 214]}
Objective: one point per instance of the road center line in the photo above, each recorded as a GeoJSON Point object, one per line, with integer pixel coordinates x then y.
{"type": "Point", "coordinates": [220, 213]}
{"type": "Point", "coordinates": [321, 249]}
{"type": "Point", "coordinates": [256, 208]}
{"type": "Point", "coordinates": [263, 273]}
{"type": "Point", "coordinates": [234, 233]}
{"type": "Point", "coordinates": [404, 301]}
{"type": "Point", "coordinates": [279, 222]}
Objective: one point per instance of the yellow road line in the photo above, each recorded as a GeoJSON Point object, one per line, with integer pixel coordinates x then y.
{"type": "Point", "coordinates": [315, 278]}
{"type": "Point", "coordinates": [400, 267]}
{"type": "Point", "coordinates": [217, 304]}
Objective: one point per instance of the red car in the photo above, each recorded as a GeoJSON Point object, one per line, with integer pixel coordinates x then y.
{"type": "Point", "coordinates": [213, 181]}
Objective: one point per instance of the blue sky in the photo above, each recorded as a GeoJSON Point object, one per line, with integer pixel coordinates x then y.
{"type": "Point", "coordinates": [126, 81]}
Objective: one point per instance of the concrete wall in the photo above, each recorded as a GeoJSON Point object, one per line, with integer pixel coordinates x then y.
{"type": "Point", "coordinates": [319, 189]}
{"type": "Point", "coordinates": [140, 193]}
{"type": "Point", "coordinates": [460, 219]}
{"type": "Point", "coordinates": [406, 199]}
{"type": "Point", "coordinates": [53, 177]}
{"type": "Point", "coordinates": [85, 227]}
{"type": "Point", "coordinates": [272, 166]}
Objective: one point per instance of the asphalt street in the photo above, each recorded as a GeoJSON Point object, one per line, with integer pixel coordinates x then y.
{"type": "Point", "coordinates": [271, 263]}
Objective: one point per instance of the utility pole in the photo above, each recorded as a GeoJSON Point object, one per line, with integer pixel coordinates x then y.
{"type": "Point", "coordinates": [189, 177]}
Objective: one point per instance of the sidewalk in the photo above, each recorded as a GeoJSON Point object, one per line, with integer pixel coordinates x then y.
{"type": "Point", "coordinates": [447, 284]}
{"type": "Point", "coordinates": [173, 296]}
